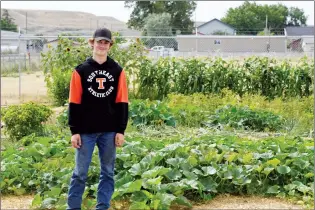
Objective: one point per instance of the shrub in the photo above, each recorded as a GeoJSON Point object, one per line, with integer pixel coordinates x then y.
{"type": "Point", "coordinates": [243, 117]}
{"type": "Point", "coordinates": [25, 119]}
{"type": "Point", "coordinates": [62, 118]}
{"type": "Point", "coordinates": [151, 113]}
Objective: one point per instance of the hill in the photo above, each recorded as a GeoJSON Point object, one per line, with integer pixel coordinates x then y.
{"type": "Point", "coordinates": [51, 22]}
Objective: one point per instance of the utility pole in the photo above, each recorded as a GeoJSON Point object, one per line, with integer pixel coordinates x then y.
{"type": "Point", "coordinates": [90, 26]}
{"type": "Point", "coordinates": [26, 23]}
{"type": "Point", "coordinates": [196, 31]}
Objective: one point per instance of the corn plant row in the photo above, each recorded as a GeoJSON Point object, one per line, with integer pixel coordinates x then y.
{"type": "Point", "coordinates": [255, 75]}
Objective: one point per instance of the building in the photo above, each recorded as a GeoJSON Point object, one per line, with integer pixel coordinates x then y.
{"type": "Point", "coordinates": [299, 31]}
{"type": "Point", "coordinates": [10, 43]}
{"type": "Point", "coordinates": [300, 38]}
{"type": "Point", "coordinates": [215, 27]}
{"type": "Point", "coordinates": [232, 44]}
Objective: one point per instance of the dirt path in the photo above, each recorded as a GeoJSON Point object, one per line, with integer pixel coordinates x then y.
{"type": "Point", "coordinates": [242, 202]}
{"type": "Point", "coordinates": [220, 202]}
{"type": "Point", "coordinates": [16, 202]}
{"type": "Point", "coordinates": [33, 87]}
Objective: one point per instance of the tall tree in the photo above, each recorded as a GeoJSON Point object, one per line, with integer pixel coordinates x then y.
{"type": "Point", "coordinates": [250, 18]}
{"type": "Point", "coordinates": [7, 22]}
{"type": "Point", "coordinates": [181, 12]}
{"type": "Point", "coordinates": [296, 17]}
{"type": "Point", "coordinates": [161, 21]}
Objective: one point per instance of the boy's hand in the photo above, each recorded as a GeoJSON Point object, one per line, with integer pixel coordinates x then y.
{"type": "Point", "coordinates": [76, 140]}
{"type": "Point", "coordinates": [119, 139]}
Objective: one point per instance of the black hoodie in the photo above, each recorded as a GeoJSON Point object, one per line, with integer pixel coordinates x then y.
{"type": "Point", "coordinates": [98, 100]}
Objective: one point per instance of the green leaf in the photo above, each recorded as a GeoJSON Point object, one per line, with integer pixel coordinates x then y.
{"type": "Point", "coordinates": [289, 187]}
{"type": "Point", "coordinates": [37, 200]}
{"type": "Point", "coordinates": [135, 169]}
{"type": "Point", "coordinates": [309, 175]}
{"type": "Point", "coordinates": [155, 181]}
{"type": "Point", "coordinates": [174, 175]}
{"type": "Point", "coordinates": [274, 162]}
{"type": "Point", "coordinates": [139, 196]}
{"type": "Point", "coordinates": [166, 199]}
{"type": "Point", "coordinates": [123, 157]}
{"type": "Point", "coordinates": [48, 203]}
{"type": "Point", "coordinates": [247, 158]}
{"type": "Point", "coordinates": [131, 186]}
{"type": "Point", "coordinates": [125, 179]}
{"type": "Point", "coordinates": [54, 192]}
{"type": "Point", "coordinates": [209, 184]}
{"type": "Point", "coordinates": [283, 169]}
{"type": "Point", "coordinates": [232, 157]}
{"type": "Point", "coordinates": [209, 170]}
{"type": "Point", "coordinates": [190, 175]}
{"type": "Point", "coordinates": [159, 170]}
{"type": "Point", "coordinates": [197, 171]}
{"type": "Point", "coordinates": [192, 184]}
{"type": "Point", "coordinates": [175, 162]}
{"type": "Point", "coordinates": [304, 189]}
{"type": "Point", "coordinates": [19, 191]}
{"type": "Point", "coordinates": [192, 161]}
{"type": "Point", "coordinates": [273, 189]}
{"type": "Point", "coordinates": [155, 203]}
{"type": "Point", "coordinates": [181, 200]}
{"type": "Point", "coordinates": [267, 170]}
{"type": "Point", "coordinates": [302, 164]}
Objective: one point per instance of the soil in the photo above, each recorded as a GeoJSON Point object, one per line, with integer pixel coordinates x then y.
{"type": "Point", "coordinates": [220, 202]}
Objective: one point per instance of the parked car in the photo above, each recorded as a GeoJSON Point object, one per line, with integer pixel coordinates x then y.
{"type": "Point", "coordinates": [163, 51]}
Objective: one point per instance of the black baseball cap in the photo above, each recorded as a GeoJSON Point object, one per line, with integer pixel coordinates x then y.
{"type": "Point", "coordinates": [103, 34]}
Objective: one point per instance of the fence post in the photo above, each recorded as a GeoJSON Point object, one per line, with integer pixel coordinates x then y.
{"type": "Point", "coordinates": [19, 65]}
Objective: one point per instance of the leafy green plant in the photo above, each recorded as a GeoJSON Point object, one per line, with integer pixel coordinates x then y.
{"type": "Point", "coordinates": [22, 120]}
{"type": "Point", "coordinates": [245, 118]}
{"type": "Point", "coordinates": [151, 113]}
{"type": "Point", "coordinates": [157, 173]}
{"type": "Point", "coordinates": [63, 117]}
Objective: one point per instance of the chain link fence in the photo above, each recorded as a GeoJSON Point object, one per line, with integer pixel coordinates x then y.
{"type": "Point", "coordinates": [22, 78]}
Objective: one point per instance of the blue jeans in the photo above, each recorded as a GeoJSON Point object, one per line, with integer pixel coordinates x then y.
{"type": "Point", "coordinates": [107, 155]}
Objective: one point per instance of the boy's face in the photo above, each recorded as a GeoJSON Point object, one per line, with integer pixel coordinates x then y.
{"type": "Point", "coordinates": [101, 47]}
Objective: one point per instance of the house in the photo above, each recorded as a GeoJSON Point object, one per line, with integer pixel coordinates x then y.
{"type": "Point", "coordinates": [215, 27]}
{"type": "Point", "coordinates": [295, 45]}
{"type": "Point", "coordinates": [308, 44]}
{"type": "Point", "coordinates": [299, 31]}
{"type": "Point", "coordinates": [301, 38]}
{"type": "Point", "coordinates": [10, 42]}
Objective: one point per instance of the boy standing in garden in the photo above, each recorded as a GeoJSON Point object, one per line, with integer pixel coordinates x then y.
{"type": "Point", "coordinates": [98, 115]}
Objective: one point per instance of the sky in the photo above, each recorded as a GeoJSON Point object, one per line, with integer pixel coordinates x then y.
{"type": "Point", "coordinates": [205, 11]}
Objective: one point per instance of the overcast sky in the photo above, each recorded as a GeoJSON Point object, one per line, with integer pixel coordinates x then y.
{"type": "Point", "coordinates": [206, 10]}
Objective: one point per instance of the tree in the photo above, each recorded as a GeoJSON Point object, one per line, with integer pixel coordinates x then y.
{"type": "Point", "coordinates": [250, 18]}
{"type": "Point", "coordinates": [219, 32]}
{"type": "Point", "coordinates": [180, 11]}
{"type": "Point", "coordinates": [7, 22]}
{"type": "Point", "coordinates": [296, 17]}
{"type": "Point", "coordinates": [163, 22]}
